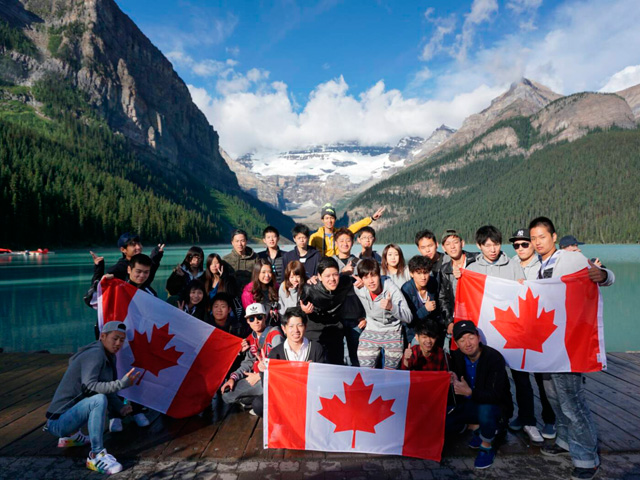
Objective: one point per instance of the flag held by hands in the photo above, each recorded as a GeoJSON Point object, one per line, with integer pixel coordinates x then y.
{"type": "Point", "coordinates": [183, 360]}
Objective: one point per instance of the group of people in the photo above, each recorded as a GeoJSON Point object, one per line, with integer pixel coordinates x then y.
{"type": "Point", "coordinates": [321, 302]}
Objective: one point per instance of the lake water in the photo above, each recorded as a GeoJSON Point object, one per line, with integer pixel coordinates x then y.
{"type": "Point", "coordinates": [41, 306]}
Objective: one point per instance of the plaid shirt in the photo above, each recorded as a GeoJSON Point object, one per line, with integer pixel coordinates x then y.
{"type": "Point", "coordinates": [437, 361]}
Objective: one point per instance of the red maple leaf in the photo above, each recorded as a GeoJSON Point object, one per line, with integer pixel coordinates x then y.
{"type": "Point", "coordinates": [528, 331]}
{"type": "Point", "coordinates": [151, 355]}
{"type": "Point", "coordinates": [356, 413]}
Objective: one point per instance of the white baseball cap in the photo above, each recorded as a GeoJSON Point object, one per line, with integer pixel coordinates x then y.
{"type": "Point", "coordinates": [254, 310]}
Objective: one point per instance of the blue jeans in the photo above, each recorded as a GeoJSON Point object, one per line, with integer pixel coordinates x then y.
{"type": "Point", "coordinates": [91, 410]}
{"type": "Point", "coordinates": [352, 337]}
{"type": "Point", "coordinates": [487, 415]}
{"type": "Point", "coordinates": [576, 430]}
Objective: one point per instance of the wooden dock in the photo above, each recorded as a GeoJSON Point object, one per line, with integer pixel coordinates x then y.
{"type": "Point", "coordinates": [28, 381]}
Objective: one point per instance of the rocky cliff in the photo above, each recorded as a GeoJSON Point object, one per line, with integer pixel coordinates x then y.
{"type": "Point", "coordinates": [100, 50]}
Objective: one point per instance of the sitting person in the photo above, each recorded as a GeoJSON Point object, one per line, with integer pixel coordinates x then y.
{"type": "Point", "coordinates": [245, 383]}
{"type": "Point", "coordinates": [193, 300]}
{"type": "Point", "coordinates": [85, 393]}
{"type": "Point", "coordinates": [427, 355]}
{"type": "Point", "coordinates": [421, 293]}
{"type": "Point", "coordinates": [386, 310]}
{"type": "Point", "coordinates": [263, 289]}
{"type": "Point", "coordinates": [223, 317]}
{"type": "Point", "coordinates": [483, 396]}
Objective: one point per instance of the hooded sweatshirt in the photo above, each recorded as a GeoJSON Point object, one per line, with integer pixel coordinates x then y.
{"type": "Point", "coordinates": [325, 244]}
{"type": "Point", "coordinates": [241, 265]}
{"type": "Point", "coordinates": [503, 267]}
{"type": "Point", "coordinates": [92, 370]}
{"type": "Point", "coordinates": [379, 319]}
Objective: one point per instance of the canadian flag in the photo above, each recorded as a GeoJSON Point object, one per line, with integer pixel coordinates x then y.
{"type": "Point", "coordinates": [550, 325]}
{"type": "Point", "coordinates": [313, 406]}
{"type": "Point", "coordinates": [183, 359]}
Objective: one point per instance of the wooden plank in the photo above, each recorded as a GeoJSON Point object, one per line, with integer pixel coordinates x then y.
{"type": "Point", "coordinates": [32, 380]}
{"type": "Point", "coordinates": [26, 406]}
{"type": "Point", "coordinates": [615, 391]}
{"type": "Point", "coordinates": [31, 444]}
{"type": "Point", "coordinates": [193, 439]}
{"type": "Point", "coordinates": [627, 356]}
{"type": "Point", "coordinates": [624, 373]}
{"type": "Point", "coordinates": [255, 447]}
{"type": "Point", "coordinates": [23, 426]}
{"type": "Point", "coordinates": [232, 437]}
{"type": "Point", "coordinates": [22, 393]}
{"type": "Point", "coordinates": [8, 361]}
{"type": "Point", "coordinates": [22, 369]}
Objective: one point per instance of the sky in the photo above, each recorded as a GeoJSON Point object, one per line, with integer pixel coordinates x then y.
{"type": "Point", "coordinates": [273, 76]}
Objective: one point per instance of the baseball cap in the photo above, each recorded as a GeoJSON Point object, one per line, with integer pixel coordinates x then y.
{"type": "Point", "coordinates": [114, 326]}
{"type": "Point", "coordinates": [520, 234]}
{"type": "Point", "coordinates": [450, 233]}
{"type": "Point", "coordinates": [465, 326]}
{"type": "Point", "coordinates": [327, 209]}
{"type": "Point", "coordinates": [254, 310]}
{"type": "Point", "coordinates": [569, 240]}
{"type": "Point", "coordinates": [125, 238]}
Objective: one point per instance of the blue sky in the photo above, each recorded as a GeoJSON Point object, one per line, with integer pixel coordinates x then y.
{"type": "Point", "coordinates": [285, 74]}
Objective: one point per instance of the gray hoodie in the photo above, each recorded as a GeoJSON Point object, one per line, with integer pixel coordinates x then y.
{"type": "Point", "coordinates": [287, 301]}
{"type": "Point", "coordinates": [378, 319]}
{"type": "Point", "coordinates": [503, 267]}
{"type": "Point", "coordinates": [564, 262]}
{"type": "Point", "coordinates": [531, 269]}
{"type": "Point", "coordinates": [92, 370]}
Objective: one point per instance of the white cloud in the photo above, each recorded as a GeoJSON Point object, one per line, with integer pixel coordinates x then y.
{"type": "Point", "coordinates": [625, 78]}
{"type": "Point", "coordinates": [203, 68]}
{"type": "Point", "coordinates": [265, 120]}
{"type": "Point", "coordinates": [521, 6]}
{"type": "Point", "coordinates": [481, 11]}
{"type": "Point", "coordinates": [443, 26]}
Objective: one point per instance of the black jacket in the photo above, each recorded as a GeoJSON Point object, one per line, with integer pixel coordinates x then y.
{"type": "Point", "coordinates": [119, 270]}
{"type": "Point", "coordinates": [310, 260]}
{"type": "Point", "coordinates": [492, 382]}
{"type": "Point", "coordinates": [276, 263]}
{"type": "Point", "coordinates": [316, 354]}
{"type": "Point", "coordinates": [447, 292]}
{"type": "Point", "coordinates": [326, 305]}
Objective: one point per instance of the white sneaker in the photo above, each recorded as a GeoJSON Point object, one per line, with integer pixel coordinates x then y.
{"type": "Point", "coordinates": [141, 420]}
{"type": "Point", "coordinates": [533, 433]}
{"type": "Point", "coordinates": [253, 412]}
{"type": "Point", "coordinates": [103, 463]}
{"type": "Point", "coordinates": [78, 439]}
{"type": "Point", "coordinates": [115, 425]}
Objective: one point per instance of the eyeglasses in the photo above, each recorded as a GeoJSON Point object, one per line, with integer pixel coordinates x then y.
{"type": "Point", "coordinates": [517, 246]}
{"type": "Point", "coordinates": [254, 318]}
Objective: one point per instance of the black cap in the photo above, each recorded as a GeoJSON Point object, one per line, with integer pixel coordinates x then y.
{"type": "Point", "coordinates": [520, 234]}
{"type": "Point", "coordinates": [327, 209]}
{"type": "Point", "coordinates": [125, 238]}
{"type": "Point", "coordinates": [465, 326]}
{"type": "Point", "coordinates": [569, 240]}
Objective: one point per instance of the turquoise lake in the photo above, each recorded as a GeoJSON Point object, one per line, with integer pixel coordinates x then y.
{"type": "Point", "coordinates": [41, 306]}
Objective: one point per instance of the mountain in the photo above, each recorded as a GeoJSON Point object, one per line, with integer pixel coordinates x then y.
{"type": "Point", "coordinates": [575, 159]}
{"type": "Point", "coordinates": [439, 136]}
{"type": "Point", "coordinates": [82, 65]}
{"type": "Point", "coordinates": [632, 97]}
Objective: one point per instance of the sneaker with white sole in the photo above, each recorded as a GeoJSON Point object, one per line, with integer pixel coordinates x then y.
{"type": "Point", "coordinates": [533, 433]}
{"type": "Point", "coordinates": [549, 431]}
{"type": "Point", "coordinates": [141, 420]}
{"type": "Point", "coordinates": [78, 439]}
{"type": "Point", "coordinates": [253, 412]}
{"type": "Point", "coordinates": [102, 462]}
{"type": "Point", "coordinates": [115, 425]}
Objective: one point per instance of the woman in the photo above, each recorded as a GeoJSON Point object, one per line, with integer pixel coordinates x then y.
{"type": "Point", "coordinates": [191, 268]}
{"type": "Point", "coordinates": [194, 300]}
{"type": "Point", "coordinates": [216, 278]}
{"type": "Point", "coordinates": [393, 265]}
{"type": "Point", "coordinates": [262, 289]}
{"type": "Point", "coordinates": [294, 276]}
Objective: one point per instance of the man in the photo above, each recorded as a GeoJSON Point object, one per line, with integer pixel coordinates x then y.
{"type": "Point", "coordinates": [366, 239]}
{"type": "Point", "coordinates": [453, 245]}
{"type": "Point", "coordinates": [302, 252]}
{"type": "Point", "coordinates": [427, 245]}
{"type": "Point", "coordinates": [87, 389]}
{"type": "Point", "coordinates": [322, 302]}
{"type": "Point", "coordinates": [245, 383]}
{"type": "Point", "coordinates": [352, 313]}
{"type": "Point", "coordinates": [570, 243]}
{"type": "Point", "coordinates": [270, 237]}
{"type": "Point", "coordinates": [481, 386]}
{"type": "Point", "coordinates": [492, 260]}
{"type": "Point", "coordinates": [241, 258]}
{"type": "Point", "coordinates": [323, 239]}
{"type": "Point", "coordinates": [426, 356]}
{"type": "Point", "coordinates": [530, 264]}
{"type": "Point", "coordinates": [421, 294]}
{"type": "Point", "coordinates": [386, 311]}
{"type": "Point", "coordinates": [223, 317]}
{"type": "Point", "coordinates": [296, 348]}
{"type": "Point", "coordinates": [576, 431]}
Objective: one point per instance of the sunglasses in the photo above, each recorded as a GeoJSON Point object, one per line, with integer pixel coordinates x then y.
{"type": "Point", "coordinates": [257, 317]}
{"type": "Point", "coordinates": [517, 246]}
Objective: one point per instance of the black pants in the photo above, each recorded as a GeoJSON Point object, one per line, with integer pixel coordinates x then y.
{"type": "Point", "coordinates": [524, 398]}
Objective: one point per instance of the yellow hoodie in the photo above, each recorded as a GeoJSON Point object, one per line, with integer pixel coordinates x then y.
{"type": "Point", "coordinates": [325, 244]}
